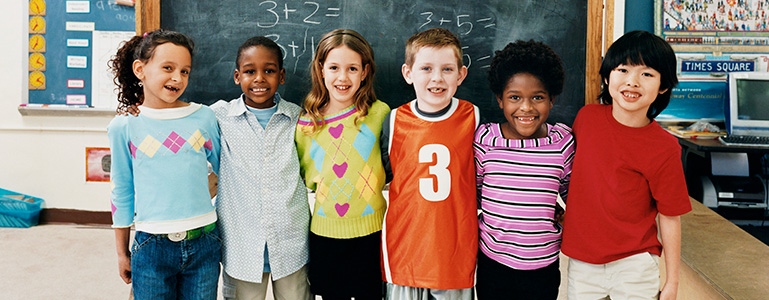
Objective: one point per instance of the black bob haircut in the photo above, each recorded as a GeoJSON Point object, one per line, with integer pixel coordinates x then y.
{"type": "Point", "coordinates": [531, 57]}
{"type": "Point", "coordinates": [260, 41]}
{"type": "Point", "coordinates": [637, 48]}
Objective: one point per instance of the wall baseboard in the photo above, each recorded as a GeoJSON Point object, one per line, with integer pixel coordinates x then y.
{"type": "Point", "coordinates": [74, 216]}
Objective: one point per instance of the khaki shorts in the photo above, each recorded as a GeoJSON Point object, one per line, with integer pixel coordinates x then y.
{"type": "Point", "coordinates": [294, 286]}
{"type": "Point", "coordinates": [633, 277]}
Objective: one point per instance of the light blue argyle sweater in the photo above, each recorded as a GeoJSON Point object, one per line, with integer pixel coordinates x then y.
{"type": "Point", "coordinates": [159, 168]}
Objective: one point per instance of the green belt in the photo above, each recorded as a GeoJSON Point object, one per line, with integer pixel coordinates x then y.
{"type": "Point", "coordinates": [190, 234]}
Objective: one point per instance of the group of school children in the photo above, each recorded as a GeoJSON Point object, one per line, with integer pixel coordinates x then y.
{"type": "Point", "coordinates": [456, 186]}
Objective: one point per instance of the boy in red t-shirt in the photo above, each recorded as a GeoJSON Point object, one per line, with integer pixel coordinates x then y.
{"type": "Point", "coordinates": [627, 171]}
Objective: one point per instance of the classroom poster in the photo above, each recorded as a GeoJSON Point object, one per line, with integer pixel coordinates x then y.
{"type": "Point", "coordinates": [714, 25]}
{"type": "Point", "coordinates": [98, 162]}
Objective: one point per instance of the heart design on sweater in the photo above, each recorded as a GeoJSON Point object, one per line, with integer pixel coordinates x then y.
{"type": "Point", "coordinates": [342, 209]}
{"type": "Point", "coordinates": [339, 170]}
{"type": "Point", "coordinates": [336, 131]}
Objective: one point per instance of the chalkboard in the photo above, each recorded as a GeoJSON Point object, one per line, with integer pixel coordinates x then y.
{"type": "Point", "coordinates": [219, 27]}
{"type": "Point", "coordinates": [72, 42]}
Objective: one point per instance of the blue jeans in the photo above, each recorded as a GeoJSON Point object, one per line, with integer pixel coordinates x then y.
{"type": "Point", "coordinates": [162, 269]}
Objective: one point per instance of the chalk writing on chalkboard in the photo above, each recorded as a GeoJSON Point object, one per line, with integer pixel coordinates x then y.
{"type": "Point", "coordinates": [293, 49]}
{"type": "Point", "coordinates": [219, 27]}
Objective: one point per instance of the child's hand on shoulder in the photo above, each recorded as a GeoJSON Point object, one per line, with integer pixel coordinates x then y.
{"type": "Point", "coordinates": [559, 212]}
{"type": "Point", "coordinates": [213, 184]}
{"type": "Point", "coordinates": [132, 110]}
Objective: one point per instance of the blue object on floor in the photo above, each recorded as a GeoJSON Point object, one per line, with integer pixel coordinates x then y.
{"type": "Point", "coordinates": [19, 213]}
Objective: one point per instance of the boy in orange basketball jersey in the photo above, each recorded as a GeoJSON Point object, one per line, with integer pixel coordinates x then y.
{"type": "Point", "coordinates": [430, 232]}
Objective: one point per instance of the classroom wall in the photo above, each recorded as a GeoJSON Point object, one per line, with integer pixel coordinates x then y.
{"type": "Point", "coordinates": [40, 155]}
{"type": "Point", "coordinates": [639, 15]}
{"type": "Point", "coordinates": [44, 156]}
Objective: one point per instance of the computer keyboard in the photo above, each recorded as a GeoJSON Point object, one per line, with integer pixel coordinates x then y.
{"type": "Point", "coordinates": [745, 140]}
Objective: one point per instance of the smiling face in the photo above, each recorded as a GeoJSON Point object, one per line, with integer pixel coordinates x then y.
{"type": "Point", "coordinates": [164, 75]}
{"type": "Point", "coordinates": [633, 89]}
{"type": "Point", "coordinates": [435, 76]}
{"type": "Point", "coordinates": [259, 76]}
{"type": "Point", "coordinates": [343, 72]}
{"type": "Point", "coordinates": [526, 105]}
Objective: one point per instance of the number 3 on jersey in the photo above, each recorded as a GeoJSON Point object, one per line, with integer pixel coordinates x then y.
{"type": "Point", "coordinates": [439, 170]}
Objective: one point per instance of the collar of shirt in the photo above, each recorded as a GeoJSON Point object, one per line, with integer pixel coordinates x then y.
{"type": "Point", "coordinates": [239, 107]}
{"type": "Point", "coordinates": [170, 113]}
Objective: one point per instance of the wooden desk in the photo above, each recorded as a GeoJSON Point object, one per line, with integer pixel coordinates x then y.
{"type": "Point", "coordinates": [714, 145]}
{"type": "Point", "coordinates": [719, 260]}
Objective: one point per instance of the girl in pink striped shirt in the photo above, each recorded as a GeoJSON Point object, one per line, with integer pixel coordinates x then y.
{"type": "Point", "coordinates": [522, 166]}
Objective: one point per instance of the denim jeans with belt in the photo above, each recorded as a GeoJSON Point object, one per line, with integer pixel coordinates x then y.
{"type": "Point", "coordinates": [163, 269]}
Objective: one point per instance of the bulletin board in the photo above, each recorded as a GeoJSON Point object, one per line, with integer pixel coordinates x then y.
{"type": "Point", "coordinates": [69, 45]}
{"type": "Point", "coordinates": [720, 26]}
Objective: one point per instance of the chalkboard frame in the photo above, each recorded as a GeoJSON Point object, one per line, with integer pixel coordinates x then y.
{"type": "Point", "coordinates": [148, 19]}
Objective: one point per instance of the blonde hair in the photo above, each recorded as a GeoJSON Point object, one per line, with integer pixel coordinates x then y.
{"type": "Point", "coordinates": [433, 37]}
{"type": "Point", "coordinates": [318, 97]}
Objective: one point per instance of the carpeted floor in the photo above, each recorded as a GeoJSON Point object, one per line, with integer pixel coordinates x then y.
{"type": "Point", "coordinates": [59, 262]}
{"type": "Point", "coordinates": [75, 262]}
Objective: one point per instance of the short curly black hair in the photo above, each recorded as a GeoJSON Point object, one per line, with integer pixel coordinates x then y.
{"type": "Point", "coordinates": [260, 41]}
{"type": "Point", "coordinates": [531, 57]}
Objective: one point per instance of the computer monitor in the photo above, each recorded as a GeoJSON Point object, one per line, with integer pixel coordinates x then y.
{"type": "Point", "coordinates": [747, 111]}
{"type": "Point", "coordinates": [696, 99]}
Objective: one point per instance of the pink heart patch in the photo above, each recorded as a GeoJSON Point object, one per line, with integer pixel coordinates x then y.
{"type": "Point", "coordinates": [339, 170]}
{"type": "Point", "coordinates": [342, 209]}
{"type": "Point", "coordinates": [336, 131]}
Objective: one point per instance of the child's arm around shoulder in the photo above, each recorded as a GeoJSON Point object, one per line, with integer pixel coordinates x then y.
{"type": "Point", "coordinates": [220, 108]}
{"type": "Point", "coordinates": [384, 144]}
{"type": "Point", "coordinates": [480, 149]}
{"type": "Point", "coordinates": [480, 143]}
{"type": "Point", "coordinates": [568, 149]}
{"type": "Point", "coordinates": [380, 109]}
{"type": "Point", "coordinates": [294, 111]}
{"type": "Point", "coordinates": [213, 145]}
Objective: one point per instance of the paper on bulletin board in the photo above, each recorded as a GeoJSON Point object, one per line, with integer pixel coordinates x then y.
{"type": "Point", "coordinates": [105, 45]}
